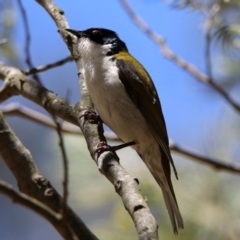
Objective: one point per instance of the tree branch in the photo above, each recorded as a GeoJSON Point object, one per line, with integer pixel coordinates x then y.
{"type": "Point", "coordinates": [17, 83]}
{"type": "Point", "coordinates": [167, 52]}
{"type": "Point", "coordinates": [32, 183]}
{"type": "Point", "coordinates": [216, 164]}
{"type": "Point", "coordinates": [16, 109]}
{"type": "Point", "coordinates": [36, 206]}
{"type": "Point", "coordinates": [28, 39]}
{"type": "Point", "coordinates": [65, 167]}
{"type": "Point", "coordinates": [58, 126]}
{"type": "Point", "coordinates": [107, 162]}
{"type": "Point", "coordinates": [48, 66]}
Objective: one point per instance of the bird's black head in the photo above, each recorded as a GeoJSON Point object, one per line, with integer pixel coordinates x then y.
{"type": "Point", "coordinates": [102, 36]}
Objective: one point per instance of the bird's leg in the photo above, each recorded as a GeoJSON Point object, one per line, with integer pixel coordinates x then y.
{"type": "Point", "coordinates": [90, 115]}
{"type": "Point", "coordinates": [121, 146]}
{"type": "Point", "coordinates": [103, 146]}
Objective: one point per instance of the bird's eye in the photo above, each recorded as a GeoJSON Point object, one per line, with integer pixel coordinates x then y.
{"type": "Point", "coordinates": [96, 32]}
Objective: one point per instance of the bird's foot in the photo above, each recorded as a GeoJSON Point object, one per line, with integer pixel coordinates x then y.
{"type": "Point", "coordinates": [103, 147]}
{"type": "Point", "coordinates": [90, 115]}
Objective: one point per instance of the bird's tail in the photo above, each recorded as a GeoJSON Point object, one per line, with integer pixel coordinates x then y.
{"type": "Point", "coordinates": [160, 169]}
{"type": "Point", "coordinates": [173, 210]}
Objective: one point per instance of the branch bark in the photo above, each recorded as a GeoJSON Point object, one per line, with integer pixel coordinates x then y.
{"type": "Point", "coordinates": [216, 164]}
{"type": "Point", "coordinates": [15, 82]}
{"type": "Point", "coordinates": [34, 184]}
{"type": "Point", "coordinates": [36, 206]}
{"type": "Point", "coordinates": [126, 186]}
{"type": "Point", "coordinates": [16, 109]}
{"type": "Point", "coordinates": [107, 162]}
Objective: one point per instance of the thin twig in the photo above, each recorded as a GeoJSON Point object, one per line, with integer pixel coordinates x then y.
{"type": "Point", "coordinates": [58, 127]}
{"type": "Point", "coordinates": [28, 40]}
{"type": "Point", "coordinates": [217, 164]}
{"type": "Point", "coordinates": [48, 66]}
{"type": "Point", "coordinates": [16, 109]}
{"type": "Point", "coordinates": [65, 167]}
{"type": "Point", "coordinates": [167, 52]}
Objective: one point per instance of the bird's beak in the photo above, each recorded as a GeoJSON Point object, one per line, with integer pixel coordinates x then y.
{"type": "Point", "coordinates": [77, 33]}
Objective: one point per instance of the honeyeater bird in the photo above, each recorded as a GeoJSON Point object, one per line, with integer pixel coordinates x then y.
{"type": "Point", "coordinates": [126, 100]}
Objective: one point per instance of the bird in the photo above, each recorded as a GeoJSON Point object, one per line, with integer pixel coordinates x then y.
{"type": "Point", "coordinates": [126, 100]}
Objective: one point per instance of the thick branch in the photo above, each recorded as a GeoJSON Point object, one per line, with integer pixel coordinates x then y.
{"type": "Point", "coordinates": [124, 184]}
{"type": "Point", "coordinates": [32, 204]}
{"type": "Point", "coordinates": [17, 83]}
{"type": "Point", "coordinates": [68, 115]}
{"type": "Point", "coordinates": [32, 183]}
{"type": "Point", "coordinates": [167, 52]}
{"type": "Point", "coordinates": [108, 162]}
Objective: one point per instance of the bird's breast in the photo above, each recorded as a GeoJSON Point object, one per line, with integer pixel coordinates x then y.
{"type": "Point", "coordinates": [113, 104]}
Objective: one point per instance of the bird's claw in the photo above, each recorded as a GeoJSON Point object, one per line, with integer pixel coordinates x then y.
{"type": "Point", "coordinates": [90, 115]}
{"type": "Point", "coordinates": [101, 147]}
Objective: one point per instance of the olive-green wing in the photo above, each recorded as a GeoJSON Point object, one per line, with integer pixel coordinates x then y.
{"type": "Point", "coordinates": [150, 106]}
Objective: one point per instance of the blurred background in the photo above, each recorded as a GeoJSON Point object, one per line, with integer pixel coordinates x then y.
{"type": "Point", "coordinates": [197, 117]}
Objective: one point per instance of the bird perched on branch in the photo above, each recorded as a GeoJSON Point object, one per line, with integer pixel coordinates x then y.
{"type": "Point", "coordinates": [127, 102]}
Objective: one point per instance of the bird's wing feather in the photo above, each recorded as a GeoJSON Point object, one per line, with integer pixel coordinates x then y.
{"type": "Point", "coordinates": [150, 108]}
